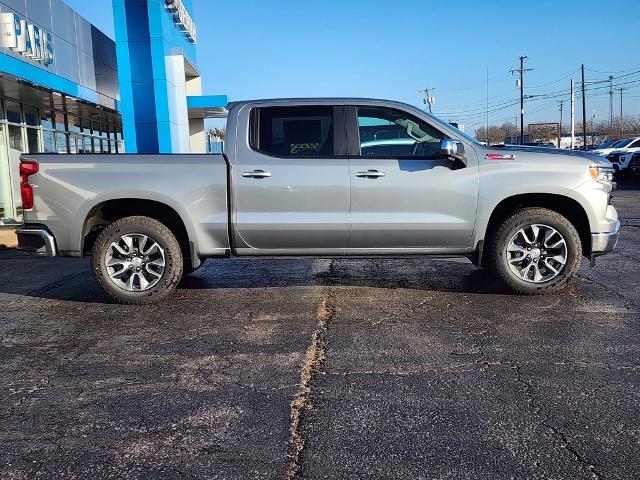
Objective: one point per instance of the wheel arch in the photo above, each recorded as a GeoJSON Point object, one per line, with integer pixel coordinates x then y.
{"type": "Point", "coordinates": [562, 204]}
{"type": "Point", "coordinates": [108, 211]}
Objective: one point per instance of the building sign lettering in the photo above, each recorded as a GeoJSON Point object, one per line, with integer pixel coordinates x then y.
{"type": "Point", "coordinates": [27, 39]}
{"type": "Point", "coordinates": [182, 18]}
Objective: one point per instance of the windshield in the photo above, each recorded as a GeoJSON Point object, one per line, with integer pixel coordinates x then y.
{"type": "Point", "coordinates": [465, 135]}
{"type": "Point", "coordinates": [607, 143]}
{"type": "Point", "coordinates": [622, 143]}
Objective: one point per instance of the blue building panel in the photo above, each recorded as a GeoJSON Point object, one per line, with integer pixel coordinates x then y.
{"type": "Point", "coordinates": [207, 101]}
{"type": "Point", "coordinates": [146, 36]}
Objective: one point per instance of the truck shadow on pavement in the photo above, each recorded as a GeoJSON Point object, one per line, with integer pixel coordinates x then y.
{"type": "Point", "coordinates": [416, 274]}
{"type": "Point", "coordinates": [71, 279]}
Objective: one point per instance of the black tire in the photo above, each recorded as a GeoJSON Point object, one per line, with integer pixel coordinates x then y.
{"type": "Point", "coordinates": [171, 274]}
{"type": "Point", "coordinates": [497, 250]}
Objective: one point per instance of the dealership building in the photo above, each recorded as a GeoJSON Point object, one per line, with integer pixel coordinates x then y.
{"type": "Point", "coordinates": [65, 87]}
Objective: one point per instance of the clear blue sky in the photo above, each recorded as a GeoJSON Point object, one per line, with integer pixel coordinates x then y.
{"type": "Point", "coordinates": [391, 49]}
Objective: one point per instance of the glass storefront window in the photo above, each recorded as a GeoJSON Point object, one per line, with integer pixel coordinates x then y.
{"type": "Point", "coordinates": [7, 210]}
{"type": "Point", "coordinates": [15, 138]}
{"type": "Point", "coordinates": [62, 143]}
{"type": "Point", "coordinates": [16, 148]}
{"type": "Point", "coordinates": [88, 144]}
{"type": "Point", "coordinates": [73, 123]}
{"type": "Point", "coordinates": [48, 141]}
{"type": "Point", "coordinates": [14, 113]}
{"type": "Point", "coordinates": [60, 124]}
{"type": "Point", "coordinates": [31, 116]}
{"type": "Point", "coordinates": [46, 119]}
{"type": "Point", "coordinates": [33, 140]}
{"type": "Point", "coordinates": [86, 126]}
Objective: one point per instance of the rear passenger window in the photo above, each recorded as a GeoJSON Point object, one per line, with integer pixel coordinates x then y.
{"type": "Point", "coordinates": [293, 131]}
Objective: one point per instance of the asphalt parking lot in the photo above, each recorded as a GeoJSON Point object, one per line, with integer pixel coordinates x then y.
{"type": "Point", "coordinates": [323, 369]}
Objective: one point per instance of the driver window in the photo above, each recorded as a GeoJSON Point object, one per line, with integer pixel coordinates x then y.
{"type": "Point", "coordinates": [392, 133]}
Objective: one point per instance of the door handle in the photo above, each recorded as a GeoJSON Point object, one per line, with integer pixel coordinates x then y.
{"type": "Point", "coordinates": [371, 174]}
{"type": "Point", "coordinates": [256, 174]}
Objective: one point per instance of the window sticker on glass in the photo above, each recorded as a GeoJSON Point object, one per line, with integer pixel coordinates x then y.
{"type": "Point", "coordinates": [305, 131]}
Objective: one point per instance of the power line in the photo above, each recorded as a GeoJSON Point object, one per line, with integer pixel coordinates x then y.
{"type": "Point", "coordinates": [476, 111]}
{"type": "Point", "coordinates": [619, 71]}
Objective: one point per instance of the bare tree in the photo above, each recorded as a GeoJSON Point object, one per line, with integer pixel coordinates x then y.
{"type": "Point", "coordinates": [510, 129]}
{"type": "Point", "coordinates": [218, 133]}
{"type": "Point", "coordinates": [492, 136]}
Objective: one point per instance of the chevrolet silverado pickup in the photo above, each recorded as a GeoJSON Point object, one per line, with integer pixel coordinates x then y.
{"type": "Point", "coordinates": [322, 177]}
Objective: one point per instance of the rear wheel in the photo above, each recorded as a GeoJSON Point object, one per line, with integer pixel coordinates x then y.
{"type": "Point", "coordinates": [137, 260]}
{"type": "Point", "coordinates": [535, 251]}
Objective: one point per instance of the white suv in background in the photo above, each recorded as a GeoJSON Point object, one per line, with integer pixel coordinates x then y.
{"type": "Point", "coordinates": [622, 144]}
{"type": "Point", "coordinates": [620, 153]}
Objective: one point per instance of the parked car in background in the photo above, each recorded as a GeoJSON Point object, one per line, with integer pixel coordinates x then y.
{"type": "Point", "coordinates": [607, 143]}
{"type": "Point", "coordinates": [540, 144]}
{"type": "Point", "coordinates": [322, 177]}
{"type": "Point", "coordinates": [627, 144]}
{"type": "Point", "coordinates": [634, 164]}
{"type": "Point", "coordinates": [620, 160]}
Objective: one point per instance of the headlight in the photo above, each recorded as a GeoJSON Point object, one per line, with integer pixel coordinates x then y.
{"type": "Point", "coordinates": [601, 174]}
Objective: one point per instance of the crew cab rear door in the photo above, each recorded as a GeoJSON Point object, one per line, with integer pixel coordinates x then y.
{"type": "Point", "coordinates": [290, 181]}
{"type": "Point", "coordinates": [405, 198]}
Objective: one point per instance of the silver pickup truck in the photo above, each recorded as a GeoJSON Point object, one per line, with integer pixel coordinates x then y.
{"type": "Point", "coordinates": [322, 177]}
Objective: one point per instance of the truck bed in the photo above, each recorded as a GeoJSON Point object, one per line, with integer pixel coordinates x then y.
{"type": "Point", "coordinates": [67, 188]}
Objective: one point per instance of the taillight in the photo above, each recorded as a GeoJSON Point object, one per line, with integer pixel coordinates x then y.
{"type": "Point", "coordinates": [27, 168]}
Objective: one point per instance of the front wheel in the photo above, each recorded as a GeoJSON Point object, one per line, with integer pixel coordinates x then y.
{"type": "Point", "coordinates": [137, 260]}
{"type": "Point", "coordinates": [535, 251]}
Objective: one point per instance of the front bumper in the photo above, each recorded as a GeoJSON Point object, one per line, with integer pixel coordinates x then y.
{"type": "Point", "coordinates": [36, 241]}
{"type": "Point", "coordinates": [602, 243]}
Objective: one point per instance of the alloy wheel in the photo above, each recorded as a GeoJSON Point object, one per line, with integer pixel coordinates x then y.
{"type": "Point", "coordinates": [135, 262]}
{"type": "Point", "coordinates": [537, 253]}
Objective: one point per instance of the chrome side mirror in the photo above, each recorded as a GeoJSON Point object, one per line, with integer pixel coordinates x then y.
{"type": "Point", "coordinates": [452, 149]}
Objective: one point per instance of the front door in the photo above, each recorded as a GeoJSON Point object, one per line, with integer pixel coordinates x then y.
{"type": "Point", "coordinates": [291, 182]}
{"type": "Point", "coordinates": [403, 196]}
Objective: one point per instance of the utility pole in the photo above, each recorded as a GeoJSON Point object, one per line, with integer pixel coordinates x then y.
{"type": "Point", "coordinates": [621, 89]}
{"type": "Point", "coordinates": [573, 116]}
{"type": "Point", "coordinates": [428, 99]}
{"type": "Point", "coordinates": [487, 104]}
{"type": "Point", "coordinates": [561, 102]}
{"type": "Point", "coordinates": [584, 113]}
{"type": "Point", "coordinates": [611, 100]}
{"type": "Point", "coordinates": [521, 71]}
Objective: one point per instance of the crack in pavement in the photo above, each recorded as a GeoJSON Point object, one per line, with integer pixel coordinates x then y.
{"type": "Point", "coordinates": [601, 285]}
{"type": "Point", "coordinates": [314, 361]}
{"type": "Point", "coordinates": [562, 436]}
